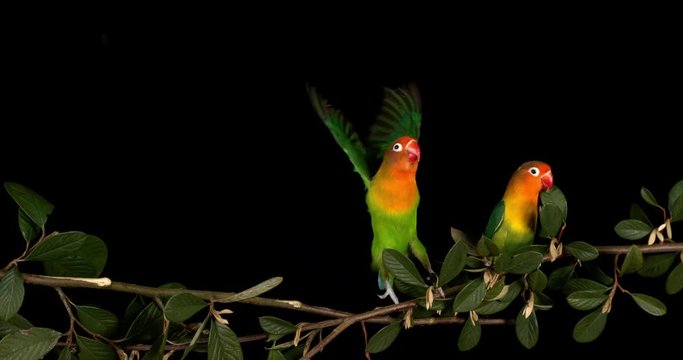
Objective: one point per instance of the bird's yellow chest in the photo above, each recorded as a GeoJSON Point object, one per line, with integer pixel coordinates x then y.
{"type": "Point", "coordinates": [393, 196]}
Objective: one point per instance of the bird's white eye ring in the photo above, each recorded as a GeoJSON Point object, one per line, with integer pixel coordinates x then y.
{"type": "Point", "coordinates": [534, 171]}
{"type": "Point", "coordinates": [397, 147]}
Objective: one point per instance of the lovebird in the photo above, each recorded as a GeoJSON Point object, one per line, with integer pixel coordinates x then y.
{"type": "Point", "coordinates": [512, 223]}
{"type": "Point", "coordinates": [392, 195]}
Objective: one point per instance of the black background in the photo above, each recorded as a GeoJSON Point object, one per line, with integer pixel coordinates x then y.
{"type": "Point", "coordinates": [195, 155]}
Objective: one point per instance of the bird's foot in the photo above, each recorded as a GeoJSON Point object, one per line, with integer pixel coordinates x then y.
{"type": "Point", "coordinates": [389, 292]}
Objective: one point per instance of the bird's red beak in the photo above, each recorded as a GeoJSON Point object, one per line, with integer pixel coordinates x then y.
{"type": "Point", "coordinates": [413, 150]}
{"type": "Point", "coordinates": [547, 181]}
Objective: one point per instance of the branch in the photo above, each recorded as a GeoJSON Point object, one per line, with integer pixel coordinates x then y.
{"type": "Point", "coordinates": [645, 249]}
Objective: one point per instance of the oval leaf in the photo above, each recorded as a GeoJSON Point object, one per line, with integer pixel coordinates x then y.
{"type": "Point", "coordinates": [581, 250]}
{"type": "Point", "coordinates": [537, 280]}
{"type": "Point", "coordinates": [674, 282]}
{"type": "Point", "coordinates": [66, 354]}
{"type": "Point", "coordinates": [223, 343]}
{"type": "Point", "coordinates": [525, 262]}
{"type": "Point", "coordinates": [71, 254]}
{"type": "Point", "coordinates": [632, 229]}
{"type": "Point", "coordinates": [649, 304]}
{"type": "Point", "coordinates": [89, 349]}
{"type": "Point", "coordinates": [527, 329]}
{"type": "Point", "coordinates": [590, 326]}
{"type": "Point", "coordinates": [33, 343]}
{"type": "Point", "coordinates": [656, 265]}
{"type": "Point", "coordinates": [470, 296]}
{"type": "Point", "coordinates": [486, 247]}
{"type": "Point", "coordinates": [383, 338]}
{"type": "Point", "coordinates": [633, 261]}
{"type": "Point", "coordinates": [469, 335]}
{"type": "Point", "coordinates": [29, 229]}
{"type": "Point", "coordinates": [182, 306]}
{"type": "Point", "coordinates": [11, 294]}
{"type": "Point", "coordinates": [555, 197]}
{"type": "Point", "coordinates": [453, 263]}
{"type": "Point", "coordinates": [275, 355]}
{"type": "Point", "coordinates": [34, 205]}
{"type": "Point", "coordinates": [676, 210]}
{"type": "Point", "coordinates": [275, 326]}
{"type": "Point", "coordinates": [559, 277]}
{"type": "Point", "coordinates": [648, 197]}
{"type": "Point", "coordinates": [97, 320]}
{"type": "Point", "coordinates": [581, 284]}
{"type": "Point", "coordinates": [586, 299]}
{"type": "Point", "coordinates": [254, 290]}
{"type": "Point", "coordinates": [148, 323]}
{"type": "Point", "coordinates": [551, 221]}
{"type": "Point", "coordinates": [637, 213]}
{"type": "Point", "coordinates": [401, 267]}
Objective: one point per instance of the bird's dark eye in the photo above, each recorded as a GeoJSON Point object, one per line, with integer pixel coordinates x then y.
{"type": "Point", "coordinates": [397, 147]}
{"type": "Point", "coordinates": [534, 171]}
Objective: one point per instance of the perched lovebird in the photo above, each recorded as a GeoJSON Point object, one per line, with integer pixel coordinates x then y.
{"type": "Point", "coordinates": [392, 195]}
{"type": "Point", "coordinates": [513, 221]}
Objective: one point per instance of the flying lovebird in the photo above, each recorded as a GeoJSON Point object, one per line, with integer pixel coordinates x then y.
{"type": "Point", "coordinates": [512, 223]}
{"type": "Point", "coordinates": [392, 195]}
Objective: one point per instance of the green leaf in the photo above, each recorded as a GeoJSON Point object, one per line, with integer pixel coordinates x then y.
{"type": "Point", "coordinates": [11, 293]}
{"type": "Point", "coordinates": [581, 250]}
{"type": "Point", "coordinates": [97, 320]}
{"type": "Point", "coordinates": [542, 301]}
{"type": "Point", "coordinates": [677, 210]}
{"type": "Point", "coordinates": [527, 329]}
{"type": "Point", "coordinates": [147, 324]}
{"type": "Point", "coordinates": [15, 323]}
{"type": "Point", "coordinates": [401, 267]}
{"type": "Point", "coordinates": [470, 296]}
{"type": "Point", "coordinates": [518, 264]}
{"type": "Point", "coordinates": [486, 247]}
{"type": "Point", "coordinates": [674, 282]}
{"type": "Point", "coordinates": [596, 273]}
{"type": "Point", "coordinates": [675, 202]}
{"type": "Point", "coordinates": [410, 290]}
{"type": "Point", "coordinates": [133, 309]}
{"type": "Point", "coordinates": [649, 304]}
{"type": "Point", "coordinates": [656, 265]}
{"type": "Point", "coordinates": [182, 306]}
{"type": "Point", "coordinates": [89, 349]}
{"type": "Point", "coordinates": [586, 299]}
{"type": "Point", "coordinates": [648, 197]}
{"type": "Point", "coordinates": [633, 261]}
{"type": "Point", "coordinates": [223, 343]}
{"type": "Point", "coordinates": [632, 229]}
{"type": "Point", "coordinates": [555, 197]}
{"type": "Point", "coordinates": [275, 355]}
{"type": "Point", "coordinates": [254, 290]}
{"type": "Point", "coordinates": [34, 205]}
{"type": "Point", "coordinates": [66, 354]}
{"type": "Point", "coordinates": [590, 326]}
{"type": "Point", "coordinates": [275, 326]}
{"type": "Point", "coordinates": [29, 229]}
{"type": "Point", "coordinates": [196, 336]}
{"type": "Point", "coordinates": [491, 307]}
{"type": "Point", "coordinates": [637, 213]}
{"type": "Point", "coordinates": [581, 284]}
{"type": "Point", "coordinates": [156, 352]}
{"type": "Point", "coordinates": [559, 277]}
{"type": "Point", "coordinates": [32, 343]}
{"type": "Point", "coordinates": [537, 280]}
{"type": "Point", "coordinates": [495, 291]}
{"type": "Point", "coordinates": [469, 335]}
{"type": "Point", "coordinates": [453, 263]}
{"type": "Point", "coordinates": [551, 221]}
{"type": "Point", "coordinates": [71, 254]}
{"type": "Point", "coordinates": [383, 338]}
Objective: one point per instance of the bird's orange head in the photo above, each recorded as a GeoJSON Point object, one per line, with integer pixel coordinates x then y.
{"type": "Point", "coordinates": [533, 176]}
{"type": "Point", "coordinates": [403, 154]}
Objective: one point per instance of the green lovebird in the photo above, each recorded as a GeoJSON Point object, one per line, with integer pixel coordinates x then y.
{"type": "Point", "coordinates": [392, 195]}
{"type": "Point", "coordinates": [512, 223]}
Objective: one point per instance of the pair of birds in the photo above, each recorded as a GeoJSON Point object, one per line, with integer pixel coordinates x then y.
{"type": "Point", "coordinates": [392, 194]}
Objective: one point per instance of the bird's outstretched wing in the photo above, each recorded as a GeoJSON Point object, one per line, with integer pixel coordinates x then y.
{"type": "Point", "coordinates": [400, 116]}
{"type": "Point", "coordinates": [343, 133]}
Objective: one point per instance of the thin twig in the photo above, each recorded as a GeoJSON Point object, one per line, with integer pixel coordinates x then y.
{"type": "Point", "coordinates": [645, 249]}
